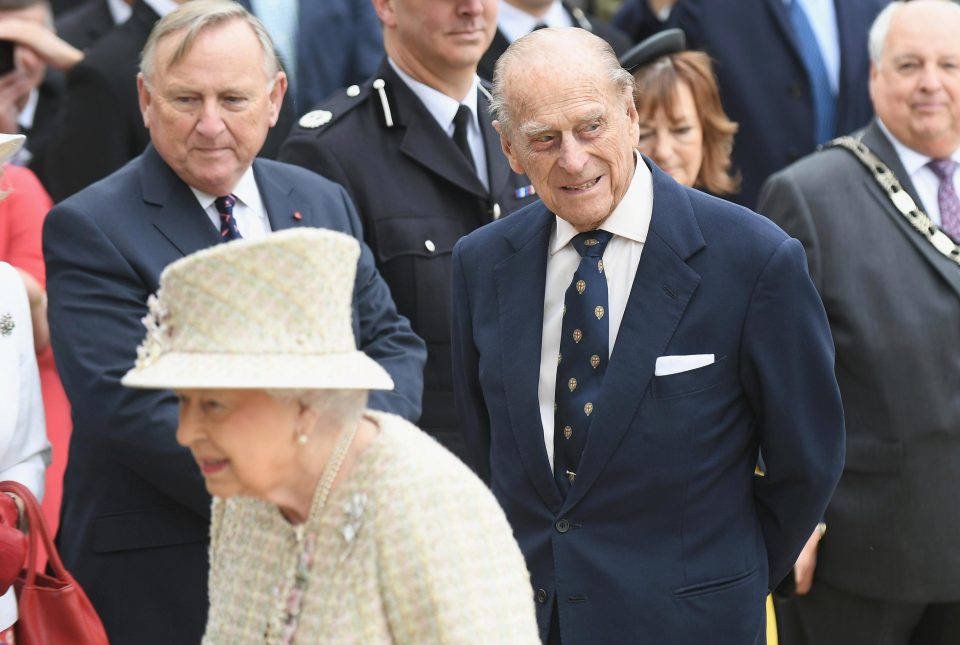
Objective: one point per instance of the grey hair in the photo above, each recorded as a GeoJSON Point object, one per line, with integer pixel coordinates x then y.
{"type": "Point", "coordinates": [525, 49]}
{"type": "Point", "coordinates": [194, 17]}
{"type": "Point", "coordinates": [339, 407]}
{"type": "Point", "coordinates": [879, 30]}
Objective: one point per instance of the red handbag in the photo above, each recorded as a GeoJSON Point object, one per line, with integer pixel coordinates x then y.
{"type": "Point", "coordinates": [53, 610]}
{"type": "Point", "coordinates": [13, 543]}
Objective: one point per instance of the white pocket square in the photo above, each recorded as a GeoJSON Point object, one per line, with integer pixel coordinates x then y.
{"type": "Point", "coordinates": [675, 364]}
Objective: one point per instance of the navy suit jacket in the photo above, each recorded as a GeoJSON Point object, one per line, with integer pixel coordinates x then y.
{"type": "Point", "coordinates": [667, 536]}
{"type": "Point", "coordinates": [763, 84]}
{"type": "Point", "coordinates": [134, 522]}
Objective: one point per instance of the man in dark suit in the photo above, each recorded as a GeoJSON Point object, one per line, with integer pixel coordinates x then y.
{"type": "Point", "coordinates": [100, 121]}
{"type": "Point", "coordinates": [629, 480]}
{"type": "Point", "coordinates": [393, 145]}
{"type": "Point", "coordinates": [764, 82]}
{"type": "Point", "coordinates": [886, 571]}
{"type": "Point", "coordinates": [135, 514]}
{"type": "Point", "coordinates": [519, 17]}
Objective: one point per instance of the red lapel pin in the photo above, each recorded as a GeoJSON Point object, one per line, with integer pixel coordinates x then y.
{"type": "Point", "coordinates": [297, 216]}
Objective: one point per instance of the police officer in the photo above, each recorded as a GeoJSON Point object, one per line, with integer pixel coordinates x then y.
{"type": "Point", "coordinates": [415, 148]}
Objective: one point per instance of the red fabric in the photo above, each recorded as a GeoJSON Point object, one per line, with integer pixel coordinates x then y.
{"type": "Point", "coordinates": [21, 225]}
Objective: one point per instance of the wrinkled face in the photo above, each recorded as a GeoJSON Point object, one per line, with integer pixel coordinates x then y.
{"type": "Point", "coordinates": [244, 441]}
{"type": "Point", "coordinates": [915, 87]}
{"type": "Point", "coordinates": [209, 113]}
{"type": "Point", "coordinates": [26, 61]}
{"type": "Point", "coordinates": [574, 137]}
{"type": "Point", "coordinates": [442, 35]}
{"type": "Point", "coordinates": [675, 143]}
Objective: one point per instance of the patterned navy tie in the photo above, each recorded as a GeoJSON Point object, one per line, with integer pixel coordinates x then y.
{"type": "Point", "coordinates": [228, 225]}
{"type": "Point", "coordinates": [584, 348]}
{"type": "Point", "coordinates": [824, 102]}
{"type": "Point", "coordinates": [947, 197]}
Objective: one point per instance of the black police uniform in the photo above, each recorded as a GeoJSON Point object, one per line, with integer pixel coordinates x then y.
{"type": "Point", "coordinates": [417, 195]}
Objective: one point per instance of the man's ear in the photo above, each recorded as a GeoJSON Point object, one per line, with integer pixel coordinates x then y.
{"type": "Point", "coordinates": [277, 92]}
{"type": "Point", "coordinates": [509, 151]}
{"type": "Point", "coordinates": [385, 11]}
{"type": "Point", "coordinates": [145, 98]}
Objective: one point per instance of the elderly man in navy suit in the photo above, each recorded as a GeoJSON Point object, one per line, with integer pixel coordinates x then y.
{"type": "Point", "coordinates": [135, 519]}
{"type": "Point", "coordinates": [623, 351]}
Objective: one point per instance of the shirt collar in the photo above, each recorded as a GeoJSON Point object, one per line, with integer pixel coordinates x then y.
{"type": "Point", "coordinates": [911, 159]}
{"type": "Point", "coordinates": [442, 107]}
{"type": "Point", "coordinates": [631, 217]}
{"type": "Point", "coordinates": [514, 22]}
{"type": "Point", "coordinates": [245, 191]}
{"type": "Point", "coordinates": [119, 11]}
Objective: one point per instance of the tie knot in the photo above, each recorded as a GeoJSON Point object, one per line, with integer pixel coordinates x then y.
{"type": "Point", "coordinates": [943, 168]}
{"type": "Point", "coordinates": [591, 243]}
{"type": "Point", "coordinates": [225, 204]}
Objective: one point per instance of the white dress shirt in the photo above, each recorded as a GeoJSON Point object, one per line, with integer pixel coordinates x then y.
{"type": "Point", "coordinates": [249, 212]}
{"type": "Point", "coordinates": [922, 176]}
{"type": "Point", "coordinates": [629, 223]}
{"type": "Point", "coordinates": [514, 23]}
{"type": "Point", "coordinates": [119, 10]}
{"type": "Point", "coordinates": [162, 7]}
{"type": "Point", "coordinates": [444, 108]}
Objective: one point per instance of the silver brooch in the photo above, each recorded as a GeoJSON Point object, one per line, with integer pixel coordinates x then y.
{"type": "Point", "coordinates": [7, 325]}
{"type": "Point", "coordinates": [353, 509]}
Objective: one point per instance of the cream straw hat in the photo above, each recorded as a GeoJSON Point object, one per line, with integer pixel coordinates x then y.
{"type": "Point", "coordinates": [9, 145]}
{"type": "Point", "coordinates": [272, 313]}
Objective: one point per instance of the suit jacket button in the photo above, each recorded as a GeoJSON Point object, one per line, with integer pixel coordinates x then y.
{"type": "Point", "coordinates": [430, 246]}
{"type": "Point", "coordinates": [563, 526]}
{"type": "Point", "coordinates": [541, 596]}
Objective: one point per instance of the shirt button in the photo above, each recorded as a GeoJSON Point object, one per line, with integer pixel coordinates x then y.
{"type": "Point", "coordinates": [563, 526]}
{"type": "Point", "coordinates": [430, 246]}
{"type": "Point", "coordinates": [541, 596]}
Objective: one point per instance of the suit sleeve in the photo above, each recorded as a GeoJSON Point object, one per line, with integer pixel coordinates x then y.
{"type": "Point", "coordinates": [383, 334]}
{"type": "Point", "coordinates": [782, 200]}
{"type": "Point", "coordinates": [471, 407]}
{"type": "Point", "coordinates": [97, 301]}
{"type": "Point", "coordinates": [91, 138]}
{"type": "Point", "coordinates": [787, 370]}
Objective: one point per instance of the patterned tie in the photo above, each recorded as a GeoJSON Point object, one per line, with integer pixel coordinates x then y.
{"type": "Point", "coordinates": [947, 197]}
{"type": "Point", "coordinates": [824, 102]}
{"type": "Point", "coordinates": [228, 225]}
{"type": "Point", "coordinates": [461, 121]}
{"type": "Point", "coordinates": [584, 348]}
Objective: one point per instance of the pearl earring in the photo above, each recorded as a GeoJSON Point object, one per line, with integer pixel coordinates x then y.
{"type": "Point", "coordinates": [302, 439]}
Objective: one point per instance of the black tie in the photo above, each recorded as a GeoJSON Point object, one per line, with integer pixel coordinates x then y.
{"type": "Point", "coordinates": [460, 124]}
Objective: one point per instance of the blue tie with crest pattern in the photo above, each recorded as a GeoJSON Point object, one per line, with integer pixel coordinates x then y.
{"type": "Point", "coordinates": [584, 348]}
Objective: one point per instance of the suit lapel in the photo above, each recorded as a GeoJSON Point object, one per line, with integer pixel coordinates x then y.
{"type": "Point", "coordinates": [285, 207]}
{"type": "Point", "coordinates": [877, 141]}
{"type": "Point", "coordinates": [517, 279]}
{"type": "Point", "coordinates": [662, 287]}
{"type": "Point", "coordinates": [178, 216]}
{"type": "Point", "coordinates": [849, 31]}
{"type": "Point", "coordinates": [781, 18]}
{"type": "Point", "coordinates": [424, 140]}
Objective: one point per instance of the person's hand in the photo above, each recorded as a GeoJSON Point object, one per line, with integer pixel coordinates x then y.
{"type": "Point", "coordinates": [42, 41]}
{"type": "Point", "coordinates": [807, 562]}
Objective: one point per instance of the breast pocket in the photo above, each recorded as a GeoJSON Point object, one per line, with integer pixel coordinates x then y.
{"type": "Point", "coordinates": [414, 256]}
{"type": "Point", "coordinates": [688, 382]}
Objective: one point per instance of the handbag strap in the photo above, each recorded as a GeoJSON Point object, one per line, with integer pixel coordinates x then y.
{"type": "Point", "coordinates": [900, 199]}
{"type": "Point", "coordinates": [37, 532]}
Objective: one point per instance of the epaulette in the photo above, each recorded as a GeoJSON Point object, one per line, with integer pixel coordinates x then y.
{"type": "Point", "coordinates": [335, 107]}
